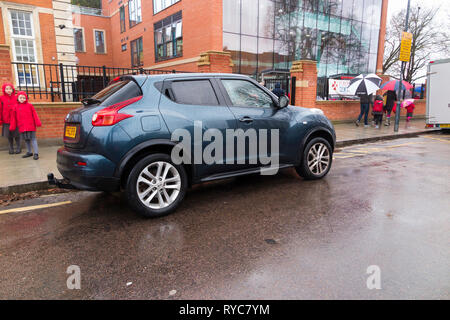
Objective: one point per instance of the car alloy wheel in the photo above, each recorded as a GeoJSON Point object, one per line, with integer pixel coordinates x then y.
{"type": "Point", "coordinates": [158, 185]}
{"type": "Point", "coordinates": [318, 158]}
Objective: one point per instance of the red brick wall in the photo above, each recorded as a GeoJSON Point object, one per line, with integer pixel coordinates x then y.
{"type": "Point", "coordinates": [305, 72]}
{"type": "Point", "coordinates": [349, 110]}
{"type": "Point", "coordinates": [90, 57]}
{"type": "Point", "coordinates": [2, 32]}
{"type": "Point", "coordinates": [48, 43]}
{"type": "Point", "coordinates": [5, 64]}
{"type": "Point", "coordinates": [52, 116]}
{"type": "Point", "coordinates": [206, 14]}
{"type": "Point", "coordinates": [215, 61]}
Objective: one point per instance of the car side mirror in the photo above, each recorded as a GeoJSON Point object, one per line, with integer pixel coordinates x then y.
{"type": "Point", "coordinates": [283, 102]}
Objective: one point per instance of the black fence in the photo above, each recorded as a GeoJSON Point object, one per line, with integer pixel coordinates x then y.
{"type": "Point", "coordinates": [69, 83]}
{"type": "Point", "coordinates": [322, 88]}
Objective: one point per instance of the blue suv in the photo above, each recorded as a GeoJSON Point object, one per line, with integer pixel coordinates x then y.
{"type": "Point", "coordinates": [122, 138]}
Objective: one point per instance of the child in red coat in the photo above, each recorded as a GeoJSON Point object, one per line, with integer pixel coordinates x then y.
{"type": "Point", "coordinates": [25, 118]}
{"type": "Point", "coordinates": [377, 111]}
{"type": "Point", "coordinates": [7, 102]}
{"type": "Point", "coordinates": [409, 111]}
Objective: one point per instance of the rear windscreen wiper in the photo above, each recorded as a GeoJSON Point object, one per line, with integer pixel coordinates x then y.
{"type": "Point", "coordinates": [88, 101]}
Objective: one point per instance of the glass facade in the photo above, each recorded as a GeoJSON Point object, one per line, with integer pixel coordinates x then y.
{"type": "Point", "coordinates": [263, 35]}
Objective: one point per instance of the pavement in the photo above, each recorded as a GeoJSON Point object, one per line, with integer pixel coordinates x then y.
{"type": "Point", "coordinates": [380, 217]}
{"type": "Point", "coordinates": [23, 175]}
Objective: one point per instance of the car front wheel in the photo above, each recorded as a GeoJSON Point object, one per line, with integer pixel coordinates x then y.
{"type": "Point", "coordinates": [316, 160]}
{"type": "Point", "coordinates": [156, 186]}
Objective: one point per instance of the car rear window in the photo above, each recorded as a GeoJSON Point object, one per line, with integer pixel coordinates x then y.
{"type": "Point", "coordinates": [117, 92]}
{"type": "Point", "coordinates": [199, 92]}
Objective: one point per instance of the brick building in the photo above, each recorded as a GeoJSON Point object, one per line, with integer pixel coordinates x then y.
{"type": "Point", "coordinates": [343, 36]}
{"type": "Point", "coordinates": [264, 37]}
{"type": "Point", "coordinates": [34, 31]}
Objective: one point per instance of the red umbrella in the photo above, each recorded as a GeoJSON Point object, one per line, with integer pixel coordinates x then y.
{"type": "Point", "coordinates": [394, 84]}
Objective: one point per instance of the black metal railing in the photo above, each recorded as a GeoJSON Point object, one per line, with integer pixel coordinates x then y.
{"type": "Point", "coordinates": [284, 84]}
{"type": "Point", "coordinates": [69, 83]}
{"type": "Point", "coordinates": [322, 88]}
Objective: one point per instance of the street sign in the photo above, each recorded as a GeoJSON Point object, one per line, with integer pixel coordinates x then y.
{"type": "Point", "coordinates": [405, 46]}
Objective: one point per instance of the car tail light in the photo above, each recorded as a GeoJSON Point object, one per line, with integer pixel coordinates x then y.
{"type": "Point", "coordinates": [110, 115]}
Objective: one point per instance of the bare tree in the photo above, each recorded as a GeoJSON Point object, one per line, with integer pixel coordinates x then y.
{"type": "Point", "coordinates": [428, 37]}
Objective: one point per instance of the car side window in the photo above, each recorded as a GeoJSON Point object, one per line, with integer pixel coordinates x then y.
{"type": "Point", "coordinates": [245, 94]}
{"type": "Point", "coordinates": [197, 92]}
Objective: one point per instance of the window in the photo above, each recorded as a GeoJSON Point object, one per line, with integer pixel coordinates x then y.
{"type": "Point", "coordinates": [122, 19]}
{"type": "Point", "coordinates": [198, 92]}
{"type": "Point", "coordinates": [245, 94]}
{"type": "Point", "coordinates": [137, 55]}
{"type": "Point", "coordinates": [24, 47]}
{"type": "Point", "coordinates": [134, 11]}
{"type": "Point", "coordinates": [117, 92]}
{"type": "Point", "coordinates": [79, 39]}
{"type": "Point", "coordinates": [169, 37]}
{"type": "Point", "coordinates": [100, 46]}
{"type": "Point", "coordinates": [124, 47]}
{"type": "Point", "coordinates": [159, 5]}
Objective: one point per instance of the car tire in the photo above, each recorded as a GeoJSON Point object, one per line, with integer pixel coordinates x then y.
{"type": "Point", "coordinates": [316, 159]}
{"type": "Point", "coordinates": [156, 186]}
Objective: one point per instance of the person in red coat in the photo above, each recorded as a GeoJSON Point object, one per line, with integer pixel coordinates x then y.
{"type": "Point", "coordinates": [377, 111]}
{"type": "Point", "coordinates": [7, 102]}
{"type": "Point", "coordinates": [409, 111]}
{"type": "Point", "coordinates": [25, 118]}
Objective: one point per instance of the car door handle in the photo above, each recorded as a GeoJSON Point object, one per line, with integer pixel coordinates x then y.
{"type": "Point", "coordinates": [246, 120]}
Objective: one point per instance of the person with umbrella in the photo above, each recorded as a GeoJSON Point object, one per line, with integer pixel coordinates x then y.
{"type": "Point", "coordinates": [408, 104]}
{"type": "Point", "coordinates": [363, 87]}
{"type": "Point", "coordinates": [391, 95]}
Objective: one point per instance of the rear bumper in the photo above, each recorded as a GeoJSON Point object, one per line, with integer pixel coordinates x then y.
{"type": "Point", "coordinates": [86, 171]}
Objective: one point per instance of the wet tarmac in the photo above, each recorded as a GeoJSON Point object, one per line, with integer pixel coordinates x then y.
{"type": "Point", "coordinates": [260, 237]}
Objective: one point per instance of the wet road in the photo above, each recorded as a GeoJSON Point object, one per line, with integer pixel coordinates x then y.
{"type": "Point", "coordinates": [260, 237]}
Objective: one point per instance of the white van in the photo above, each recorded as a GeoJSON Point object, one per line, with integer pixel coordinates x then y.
{"type": "Point", "coordinates": [438, 94]}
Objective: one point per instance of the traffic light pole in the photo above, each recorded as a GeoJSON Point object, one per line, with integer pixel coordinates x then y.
{"type": "Point", "coordinates": [402, 71]}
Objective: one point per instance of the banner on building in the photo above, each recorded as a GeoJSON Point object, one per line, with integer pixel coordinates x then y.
{"type": "Point", "coordinates": [338, 87]}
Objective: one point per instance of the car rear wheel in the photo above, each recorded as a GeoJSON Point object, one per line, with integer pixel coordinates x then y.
{"type": "Point", "coordinates": [317, 159]}
{"type": "Point", "coordinates": [156, 186]}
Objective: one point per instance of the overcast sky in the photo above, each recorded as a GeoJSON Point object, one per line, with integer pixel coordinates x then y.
{"type": "Point", "coordinates": [397, 5]}
{"type": "Point", "coordinates": [443, 17]}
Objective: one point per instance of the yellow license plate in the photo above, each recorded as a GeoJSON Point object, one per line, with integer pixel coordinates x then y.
{"type": "Point", "coordinates": [71, 131]}
{"type": "Point", "coordinates": [445, 126]}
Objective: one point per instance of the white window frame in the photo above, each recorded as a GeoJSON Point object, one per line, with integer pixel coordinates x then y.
{"type": "Point", "coordinates": [84, 39]}
{"type": "Point", "coordinates": [23, 37]}
{"type": "Point", "coordinates": [104, 40]}
{"type": "Point", "coordinates": [134, 8]}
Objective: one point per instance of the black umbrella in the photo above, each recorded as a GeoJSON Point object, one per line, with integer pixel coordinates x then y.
{"type": "Point", "coordinates": [364, 84]}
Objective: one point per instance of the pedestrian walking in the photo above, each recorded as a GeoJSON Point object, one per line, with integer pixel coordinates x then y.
{"type": "Point", "coordinates": [25, 118]}
{"type": "Point", "coordinates": [365, 102]}
{"type": "Point", "coordinates": [278, 91]}
{"type": "Point", "coordinates": [377, 111]}
{"type": "Point", "coordinates": [7, 102]}
{"type": "Point", "coordinates": [408, 104]}
{"type": "Point", "coordinates": [391, 98]}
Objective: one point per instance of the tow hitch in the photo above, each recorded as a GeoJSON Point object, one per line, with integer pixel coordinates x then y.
{"type": "Point", "coordinates": [60, 183]}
